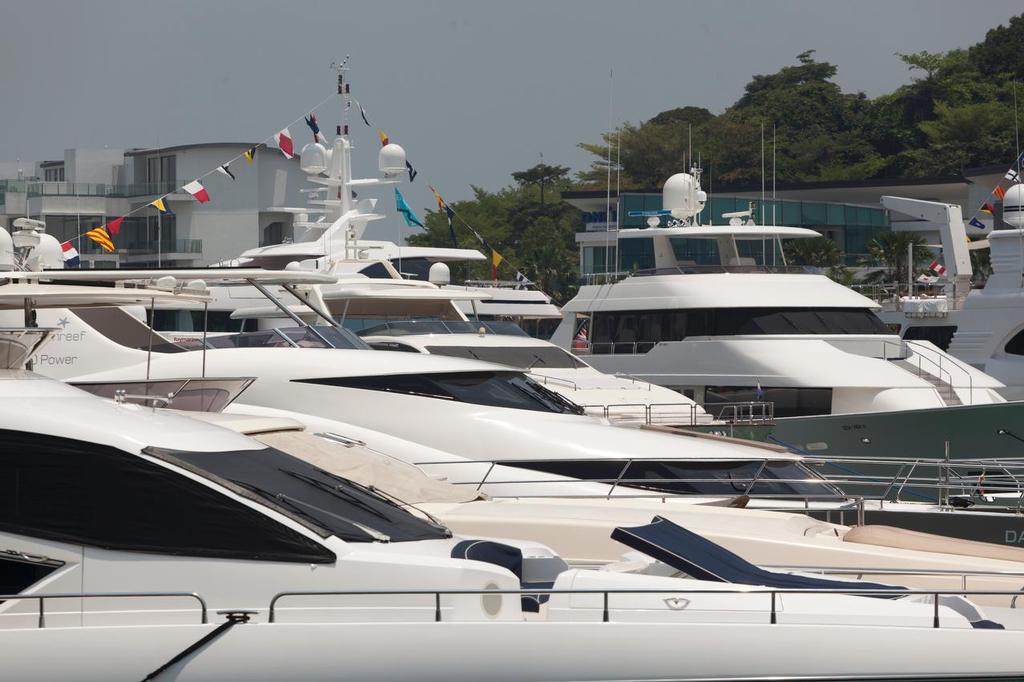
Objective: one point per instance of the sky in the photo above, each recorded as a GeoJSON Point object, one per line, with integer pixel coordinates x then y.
{"type": "Point", "coordinates": [473, 90]}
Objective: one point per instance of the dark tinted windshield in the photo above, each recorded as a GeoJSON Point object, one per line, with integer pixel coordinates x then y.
{"type": "Point", "coordinates": [435, 326]}
{"type": "Point", "coordinates": [290, 337]}
{"type": "Point", "coordinates": [326, 503]}
{"type": "Point", "coordinates": [782, 477]}
{"type": "Point", "coordinates": [496, 389]}
{"type": "Point", "coordinates": [527, 357]}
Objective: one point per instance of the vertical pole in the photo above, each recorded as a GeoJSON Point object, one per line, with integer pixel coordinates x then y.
{"type": "Point", "coordinates": [149, 351]}
{"type": "Point", "coordinates": [206, 311]}
{"type": "Point", "coordinates": [910, 269]}
{"type": "Point", "coordinates": [159, 216]}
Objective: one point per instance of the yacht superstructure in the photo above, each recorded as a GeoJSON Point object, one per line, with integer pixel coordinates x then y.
{"type": "Point", "coordinates": [721, 316]}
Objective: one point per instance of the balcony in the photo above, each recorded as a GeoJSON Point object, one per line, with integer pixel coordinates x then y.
{"type": "Point", "coordinates": [189, 246]}
{"type": "Point", "coordinates": [38, 188]}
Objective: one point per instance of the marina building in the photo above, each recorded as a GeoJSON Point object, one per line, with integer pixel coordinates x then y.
{"type": "Point", "coordinates": [89, 187]}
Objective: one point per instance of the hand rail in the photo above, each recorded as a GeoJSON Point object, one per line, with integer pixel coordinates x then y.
{"type": "Point", "coordinates": [954, 362]}
{"type": "Point", "coordinates": [42, 597]}
{"type": "Point", "coordinates": [605, 615]}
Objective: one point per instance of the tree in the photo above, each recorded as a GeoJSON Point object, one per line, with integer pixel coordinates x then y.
{"type": "Point", "coordinates": [541, 175]}
{"type": "Point", "coordinates": [819, 252]}
{"type": "Point", "coordinates": [891, 250]}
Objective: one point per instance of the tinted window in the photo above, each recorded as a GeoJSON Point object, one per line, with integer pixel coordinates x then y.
{"type": "Point", "coordinates": [516, 356]}
{"type": "Point", "coordinates": [786, 402]}
{"type": "Point", "coordinates": [939, 335]}
{"type": "Point", "coordinates": [18, 573]}
{"type": "Point", "coordinates": [329, 504]}
{"type": "Point", "coordinates": [1015, 346]}
{"type": "Point", "coordinates": [692, 478]}
{"type": "Point", "coordinates": [192, 321]}
{"type": "Point", "coordinates": [639, 330]}
{"type": "Point", "coordinates": [83, 493]}
{"type": "Point", "coordinates": [496, 389]}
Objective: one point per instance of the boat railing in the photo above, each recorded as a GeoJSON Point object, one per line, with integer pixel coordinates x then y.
{"type": "Point", "coordinates": [685, 413]}
{"type": "Point", "coordinates": [944, 365]}
{"type": "Point", "coordinates": [894, 296]}
{"type": "Point", "coordinates": [42, 598]}
{"type": "Point", "coordinates": [772, 595]}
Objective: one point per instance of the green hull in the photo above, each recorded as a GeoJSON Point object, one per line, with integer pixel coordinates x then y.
{"type": "Point", "coordinates": [972, 431]}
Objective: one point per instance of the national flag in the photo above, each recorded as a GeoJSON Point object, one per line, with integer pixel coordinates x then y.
{"type": "Point", "coordinates": [100, 236]}
{"type": "Point", "coordinates": [224, 170]}
{"type": "Point", "coordinates": [362, 112]}
{"type": "Point", "coordinates": [114, 226]}
{"type": "Point", "coordinates": [581, 335]}
{"type": "Point", "coordinates": [412, 171]}
{"type": "Point", "coordinates": [999, 192]}
{"type": "Point", "coordinates": [69, 254]}
{"type": "Point", "coordinates": [384, 139]}
{"type": "Point", "coordinates": [160, 205]}
{"type": "Point", "coordinates": [496, 259]}
{"type": "Point", "coordinates": [758, 391]}
{"type": "Point", "coordinates": [1011, 175]}
{"type": "Point", "coordinates": [987, 208]}
{"type": "Point", "coordinates": [314, 126]}
{"type": "Point", "coordinates": [974, 222]}
{"type": "Point", "coordinates": [937, 267]}
{"type": "Point", "coordinates": [284, 142]}
{"type": "Point", "coordinates": [198, 191]}
{"type": "Point", "coordinates": [581, 340]}
{"type": "Point", "coordinates": [403, 208]}
{"type": "Point", "coordinates": [250, 154]}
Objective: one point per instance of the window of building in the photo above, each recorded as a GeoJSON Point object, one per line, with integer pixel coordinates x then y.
{"type": "Point", "coordinates": [88, 494]}
{"type": "Point", "coordinates": [162, 169]}
{"type": "Point", "coordinates": [940, 335]}
{"type": "Point", "coordinates": [1015, 346]}
{"type": "Point", "coordinates": [786, 402]}
{"type": "Point", "coordinates": [595, 259]}
{"type": "Point", "coordinates": [494, 389]}
{"type": "Point", "coordinates": [55, 174]}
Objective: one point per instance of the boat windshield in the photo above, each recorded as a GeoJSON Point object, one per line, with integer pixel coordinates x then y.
{"type": "Point", "coordinates": [435, 326]}
{"type": "Point", "coordinates": [527, 357]}
{"type": "Point", "coordinates": [495, 389]}
{"type": "Point", "coordinates": [323, 502]}
{"type": "Point", "coordinates": [768, 478]}
{"type": "Point", "coordinates": [290, 337]}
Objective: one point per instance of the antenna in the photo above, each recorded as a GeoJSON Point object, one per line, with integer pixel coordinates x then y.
{"type": "Point", "coordinates": [343, 89]}
{"type": "Point", "coordinates": [1016, 129]}
{"type": "Point", "coordinates": [689, 144]}
{"type": "Point", "coordinates": [774, 202]}
{"type": "Point", "coordinates": [608, 183]}
{"type": "Point", "coordinates": [762, 171]}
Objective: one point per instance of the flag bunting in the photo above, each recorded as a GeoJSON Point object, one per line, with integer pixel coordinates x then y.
{"type": "Point", "coordinates": [197, 191]}
{"type": "Point", "coordinates": [283, 140]}
{"type": "Point", "coordinates": [225, 170]}
{"type": "Point", "coordinates": [100, 236]}
{"type": "Point", "coordinates": [69, 254]}
{"type": "Point", "coordinates": [403, 208]}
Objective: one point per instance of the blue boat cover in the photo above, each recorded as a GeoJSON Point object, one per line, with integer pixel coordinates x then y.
{"type": "Point", "coordinates": [697, 556]}
{"type": "Point", "coordinates": [506, 556]}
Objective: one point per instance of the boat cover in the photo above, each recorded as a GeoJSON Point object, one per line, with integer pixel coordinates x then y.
{"type": "Point", "coordinates": [697, 556]}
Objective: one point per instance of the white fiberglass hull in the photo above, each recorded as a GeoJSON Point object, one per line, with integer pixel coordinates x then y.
{"type": "Point", "coordinates": [519, 651]}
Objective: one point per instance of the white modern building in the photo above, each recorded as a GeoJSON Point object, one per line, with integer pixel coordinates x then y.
{"type": "Point", "coordinates": [89, 187]}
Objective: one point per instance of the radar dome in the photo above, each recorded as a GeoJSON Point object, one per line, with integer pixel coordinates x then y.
{"type": "Point", "coordinates": [682, 196]}
{"type": "Point", "coordinates": [1013, 206]}
{"type": "Point", "coordinates": [391, 160]}
{"type": "Point", "coordinates": [314, 158]}
{"type": "Point", "coordinates": [6, 251]}
{"type": "Point", "coordinates": [439, 274]}
{"type": "Point", "coordinates": [47, 254]}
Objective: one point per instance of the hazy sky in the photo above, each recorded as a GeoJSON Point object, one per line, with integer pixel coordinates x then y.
{"type": "Point", "coordinates": [472, 90]}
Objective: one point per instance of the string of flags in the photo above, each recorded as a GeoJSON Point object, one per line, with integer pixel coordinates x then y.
{"type": "Point", "coordinates": [997, 194]}
{"type": "Point", "coordinates": [103, 235]}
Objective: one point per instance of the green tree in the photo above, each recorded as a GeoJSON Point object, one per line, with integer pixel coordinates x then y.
{"type": "Point", "coordinates": [541, 175]}
{"type": "Point", "coordinates": [892, 251]}
{"type": "Point", "coordinates": [819, 252]}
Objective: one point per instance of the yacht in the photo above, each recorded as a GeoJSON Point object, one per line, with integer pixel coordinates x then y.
{"type": "Point", "coordinates": [716, 313]}
{"type": "Point", "coordinates": [121, 545]}
{"type": "Point", "coordinates": [983, 327]}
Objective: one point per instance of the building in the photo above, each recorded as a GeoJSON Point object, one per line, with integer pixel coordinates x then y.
{"type": "Point", "coordinates": [848, 212]}
{"type": "Point", "coordinates": [89, 187]}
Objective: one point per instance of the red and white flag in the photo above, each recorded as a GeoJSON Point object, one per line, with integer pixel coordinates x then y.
{"type": "Point", "coordinates": [198, 191]}
{"type": "Point", "coordinates": [937, 268]}
{"type": "Point", "coordinates": [284, 143]}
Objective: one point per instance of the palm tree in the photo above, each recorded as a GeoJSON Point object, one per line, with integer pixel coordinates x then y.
{"type": "Point", "coordinates": [819, 252]}
{"type": "Point", "coordinates": [890, 250]}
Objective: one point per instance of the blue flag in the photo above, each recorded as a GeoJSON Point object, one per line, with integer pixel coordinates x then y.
{"type": "Point", "coordinates": [974, 222]}
{"type": "Point", "coordinates": [403, 208]}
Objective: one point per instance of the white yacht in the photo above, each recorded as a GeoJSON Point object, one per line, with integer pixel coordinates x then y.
{"type": "Point", "coordinates": [716, 313]}
{"type": "Point", "coordinates": [983, 327]}
{"type": "Point", "coordinates": [119, 546]}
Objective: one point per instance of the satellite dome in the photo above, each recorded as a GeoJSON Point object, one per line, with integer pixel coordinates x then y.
{"type": "Point", "coordinates": [1013, 206]}
{"type": "Point", "coordinates": [314, 158]}
{"type": "Point", "coordinates": [439, 274]}
{"type": "Point", "coordinates": [682, 196]}
{"type": "Point", "coordinates": [391, 160]}
{"type": "Point", "coordinates": [47, 254]}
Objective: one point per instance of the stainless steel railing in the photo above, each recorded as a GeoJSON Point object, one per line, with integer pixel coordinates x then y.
{"type": "Point", "coordinates": [41, 598]}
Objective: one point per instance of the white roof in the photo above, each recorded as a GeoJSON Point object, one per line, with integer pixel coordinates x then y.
{"type": "Point", "coordinates": [13, 296]}
{"type": "Point", "coordinates": [753, 232]}
{"type": "Point", "coordinates": [218, 275]}
{"type": "Point", "coordinates": [718, 290]}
